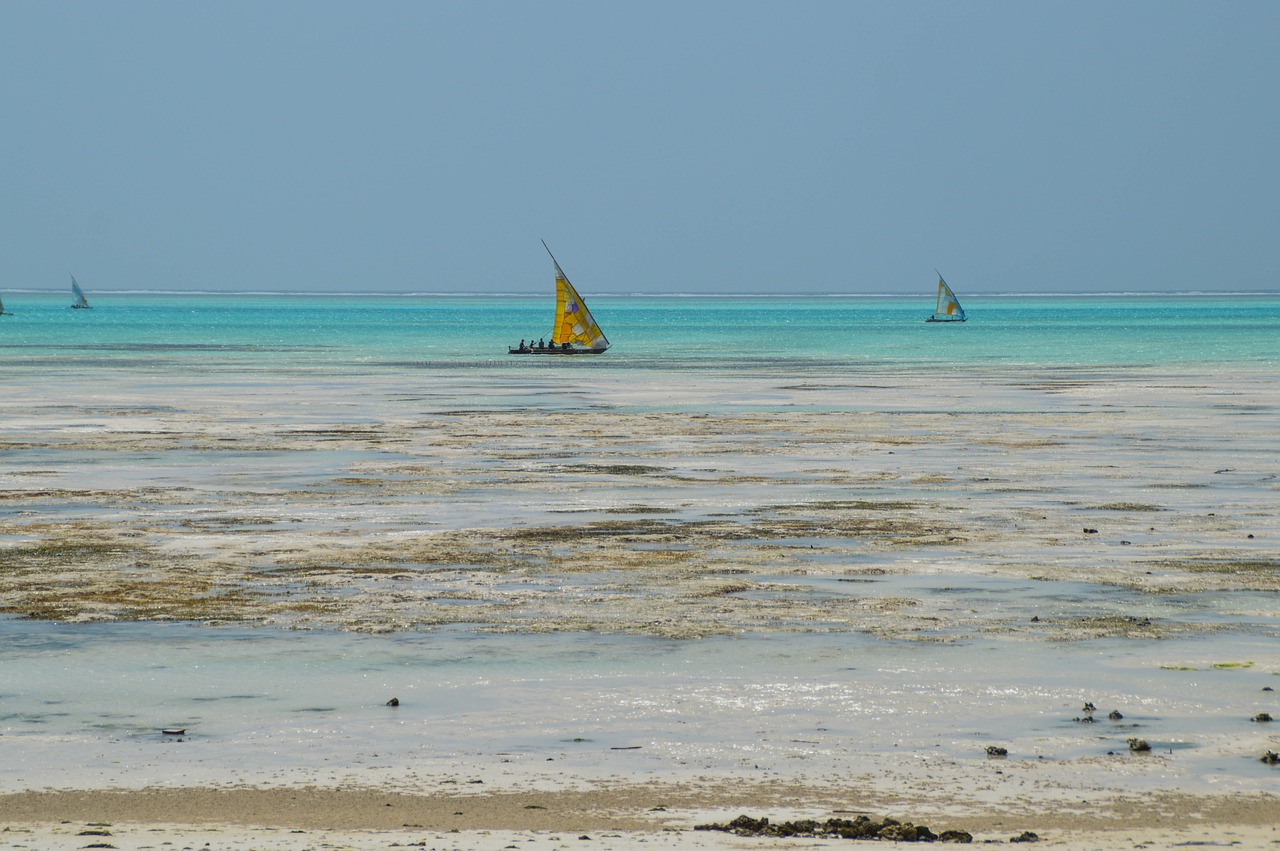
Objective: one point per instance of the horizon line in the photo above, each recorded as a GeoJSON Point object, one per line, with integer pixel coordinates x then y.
{"type": "Point", "coordinates": [731, 295]}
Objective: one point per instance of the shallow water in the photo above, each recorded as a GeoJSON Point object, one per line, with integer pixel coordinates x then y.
{"type": "Point", "coordinates": [85, 705]}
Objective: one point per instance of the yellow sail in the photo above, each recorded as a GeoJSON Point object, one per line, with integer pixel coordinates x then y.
{"type": "Point", "coordinates": [574, 324]}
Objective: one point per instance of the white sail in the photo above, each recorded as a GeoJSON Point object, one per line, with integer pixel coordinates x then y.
{"type": "Point", "coordinates": [78, 300]}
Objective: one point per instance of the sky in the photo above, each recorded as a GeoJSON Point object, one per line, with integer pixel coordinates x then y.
{"type": "Point", "coordinates": [712, 146]}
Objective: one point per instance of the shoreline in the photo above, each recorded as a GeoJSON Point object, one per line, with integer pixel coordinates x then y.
{"type": "Point", "coordinates": [620, 814]}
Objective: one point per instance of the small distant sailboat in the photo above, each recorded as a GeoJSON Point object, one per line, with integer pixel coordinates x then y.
{"type": "Point", "coordinates": [3, 312]}
{"type": "Point", "coordinates": [575, 332]}
{"type": "Point", "coordinates": [78, 301]}
{"type": "Point", "coordinates": [948, 309]}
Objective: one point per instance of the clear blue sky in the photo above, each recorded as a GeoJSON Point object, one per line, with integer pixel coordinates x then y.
{"type": "Point", "coordinates": [717, 146]}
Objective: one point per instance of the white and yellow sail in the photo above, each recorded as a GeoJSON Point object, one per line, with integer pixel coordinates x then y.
{"type": "Point", "coordinates": [948, 305]}
{"type": "Point", "coordinates": [574, 324]}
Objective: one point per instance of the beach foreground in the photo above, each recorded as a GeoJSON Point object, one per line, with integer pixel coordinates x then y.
{"type": "Point", "coordinates": [855, 587]}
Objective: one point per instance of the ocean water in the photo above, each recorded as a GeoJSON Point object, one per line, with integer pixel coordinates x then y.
{"type": "Point", "coordinates": [85, 704]}
{"type": "Point", "coordinates": [227, 332]}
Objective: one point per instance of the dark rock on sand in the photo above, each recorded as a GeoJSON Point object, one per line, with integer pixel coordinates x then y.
{"type": "Point", "coordinates": [1088, 707]}
{"type": "Point", "coordinates": [996, 750]}
{"type": "Point", "coordinates": [1025, 836]}
{"type": "Point", "coordinates": [861, 827]}
{"type": "Point", "coordinates": [960, 837]}
{"type": "Point", "coordinates": [1089, 531]}
{"type": "Point", "coordinates": [1261, 716]}
{"type": "Point", "coordinates": [1271, 757]}
{"type": "Point", "coordinates": [395, 701]}
{"type": "Point", "coordinates": [1114, 715]}
{"type": "Point", "coordinates": [1139, 745]}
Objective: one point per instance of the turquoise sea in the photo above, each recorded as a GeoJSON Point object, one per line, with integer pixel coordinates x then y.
{"type": "Point", "coordinates": [150, 331]}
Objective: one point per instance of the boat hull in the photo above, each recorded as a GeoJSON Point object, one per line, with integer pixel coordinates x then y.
{"type": "Point", "coordinates": [550, 351]}
{"type": "Point", "coordinates": [935, 319]}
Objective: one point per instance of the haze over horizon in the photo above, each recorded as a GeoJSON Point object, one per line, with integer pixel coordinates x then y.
{"type": "Point", "coordinates": [715, 147]}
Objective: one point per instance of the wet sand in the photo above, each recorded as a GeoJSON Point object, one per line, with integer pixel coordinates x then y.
{"type": "Point", "coordinates": [617, 817]}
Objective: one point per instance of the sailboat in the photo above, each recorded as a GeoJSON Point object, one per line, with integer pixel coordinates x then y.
{"type": "Point", "coordinates": [574, 332]}
{"type": "Point", "coordinates": [3, 312]}
{"type": "Point", "coordinates": [77, 296]}
{"type": "Point", "coordinates": [948, 309]}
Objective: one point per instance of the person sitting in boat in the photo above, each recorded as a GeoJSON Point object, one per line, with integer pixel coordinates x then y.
{"type": "Point", "coordinates": [521, 348]}
{"type": "Point", "coordinates": [541, 345]}
{"type": "Point", "coordinates": [565, 346]}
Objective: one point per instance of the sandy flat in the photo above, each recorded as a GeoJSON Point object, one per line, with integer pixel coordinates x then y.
{"type": "Point", "coordinates": [364, 508]}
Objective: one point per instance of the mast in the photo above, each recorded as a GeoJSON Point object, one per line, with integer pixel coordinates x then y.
{"type": "Point", "coordinates": [554, 261]}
